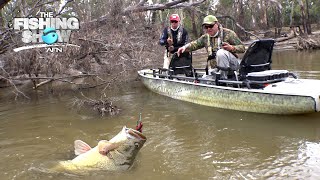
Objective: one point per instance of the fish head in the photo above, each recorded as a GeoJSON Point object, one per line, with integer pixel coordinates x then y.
{"type": "Point", "coordinates": [129, 142]}
{"type": "Point", "coordinates": [134, 137]}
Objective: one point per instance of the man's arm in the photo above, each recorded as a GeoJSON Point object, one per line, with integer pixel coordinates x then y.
{"type": "Point", "coordinates": [163, 38]}
{"type": "Point", "coordinates": [199, 43]}
{"type": "Point", "coordinates": [233, 39]}
{"type": "Point", "coordinates": [194, 45]}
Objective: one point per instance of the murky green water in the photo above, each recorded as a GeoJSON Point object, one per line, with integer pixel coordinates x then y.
{"type": "Point", "coordinates": [185, 141]}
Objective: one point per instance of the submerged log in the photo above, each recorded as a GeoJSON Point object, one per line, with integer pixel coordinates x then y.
{"type": "Point", "coordinates": [291, 35]}
{"type": "Point", "coordinates": [6, 83]}
{"type": "Point", "coordinates": [308, 43]}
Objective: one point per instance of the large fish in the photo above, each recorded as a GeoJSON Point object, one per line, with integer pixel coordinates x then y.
{"type": "Point", "coordinates": [116, 154]}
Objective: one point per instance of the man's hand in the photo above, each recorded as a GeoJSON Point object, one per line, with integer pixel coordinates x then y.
{"type": "Point", "coordinates": [171, 48]}
{"type": "Point", "coordinates": [105, 147]}
{"type": "Point", "coordinates": [227, 46]}
{"type": "Point", "coordinates": [181, 50]}
{"type": "Point", "coordinates": [169, 41]}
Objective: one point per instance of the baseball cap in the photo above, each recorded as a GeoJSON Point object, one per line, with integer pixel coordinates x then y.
{"type": "Point", "coordinates": [174, 17]}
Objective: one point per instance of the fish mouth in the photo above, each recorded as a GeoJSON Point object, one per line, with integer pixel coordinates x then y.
{"type": "Point", "coordinates": [136, 134]}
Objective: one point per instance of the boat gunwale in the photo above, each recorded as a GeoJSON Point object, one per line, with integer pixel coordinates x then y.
{"type": "Point", "coordinates": [228, 88]}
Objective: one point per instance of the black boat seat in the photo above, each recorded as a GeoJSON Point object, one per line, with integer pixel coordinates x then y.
{"type": "Point", "coordinates": [255, 67]}
{"type": "Point", "coordinates": [257, 57]}
{"type": "Point", "coordinates": [182, 64]}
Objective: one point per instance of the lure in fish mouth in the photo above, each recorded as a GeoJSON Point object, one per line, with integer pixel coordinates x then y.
{"type": "Point", "coordinates": [116, 154]}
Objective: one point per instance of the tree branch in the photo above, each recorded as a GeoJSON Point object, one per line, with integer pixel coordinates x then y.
{"type": "Point", "coordinates": [142, 2]}
{"type": "Point", "coordinates": [154, 7]}
{"type": "Point", "coordinates": [42, 83]}
{"type": "Point", "coordinates": [12, 83]}
{"type": "Point", "coordinates": [63, 7]}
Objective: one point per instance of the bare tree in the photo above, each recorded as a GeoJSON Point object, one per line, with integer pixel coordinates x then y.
{"type": "Point", "coordinates": [253, 6]}
{"type": "Point", "coordinates": [304, 8]}
{"type": "Point", "coordinates": [278, 19]}
{"type": "Point", "coordinates": [308, 17]}
{"type": "Point", "coordinates": [240, 17]}
{"type": "Point", "coordinates": [192, 14]}
{"type": "Point", "coordinates": [263, 16]}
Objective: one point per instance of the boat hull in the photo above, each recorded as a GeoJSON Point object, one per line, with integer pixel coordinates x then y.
{"type": "Point", "coordinates": [231, 98]}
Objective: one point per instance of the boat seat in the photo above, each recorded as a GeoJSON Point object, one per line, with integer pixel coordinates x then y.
{"type": "Point", "coordinates": [257, 58]}
{"type": "Point", "coordinates": [182, 64]}
{"type": "Point", "coordinates": [255, 67]}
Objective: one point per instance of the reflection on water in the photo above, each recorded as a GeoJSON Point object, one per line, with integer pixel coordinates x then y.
{"type": "Point", "coordinates": [304, 63]}
{"type": "Point", "coordinates": [185, 140]}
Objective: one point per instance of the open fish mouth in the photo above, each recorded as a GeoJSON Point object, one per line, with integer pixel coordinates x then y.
{"type": "Point", "coordinates": [135, 134]}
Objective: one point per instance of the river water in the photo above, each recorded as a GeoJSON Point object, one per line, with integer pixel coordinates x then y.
{"type": "Point", "coordinates": [185, 140]}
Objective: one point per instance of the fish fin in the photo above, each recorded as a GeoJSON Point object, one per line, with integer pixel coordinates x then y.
{"type": "Point", "coordinates": [80, 147]}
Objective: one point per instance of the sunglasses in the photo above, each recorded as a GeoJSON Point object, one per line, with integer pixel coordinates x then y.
{"type": "Point", "coordinates": [208, 26]}
{"type": "Point", "coordinates": [174, 21]}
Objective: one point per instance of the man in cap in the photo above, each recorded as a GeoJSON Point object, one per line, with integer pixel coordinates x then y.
{"type": "Point", "coordinates": [221, 44]}
{"type": "Point", "coordinates": [173, 37]}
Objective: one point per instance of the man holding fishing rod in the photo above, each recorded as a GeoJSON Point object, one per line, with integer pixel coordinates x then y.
{"type": "Point", "coordinates": [173, 37]}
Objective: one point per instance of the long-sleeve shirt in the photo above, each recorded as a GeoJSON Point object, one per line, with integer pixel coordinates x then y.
{"type": "Point", "coordinates": [229, 36]}
{"type": "Point", "coordinates": [176, 44]}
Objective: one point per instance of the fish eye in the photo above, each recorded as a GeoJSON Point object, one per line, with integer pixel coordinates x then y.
{"type": "Point", "coordinates": [137, 145]}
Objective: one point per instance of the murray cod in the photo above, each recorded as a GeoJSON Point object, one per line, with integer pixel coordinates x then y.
{"type": "Point", "coordinates": [115, 154]}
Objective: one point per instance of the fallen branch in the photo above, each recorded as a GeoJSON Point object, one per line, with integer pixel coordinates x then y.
{"type": "Point", "coordinates": [42, 83]}
{"type": "Point", "coordinates": [307, 43]}
{"type": "Point", "coordinates": [15, 87]}
{"type": "Point", "coordinates": [55, 78]}
{"type": "Point", "coordinates": [103, 106]}
{"type": "Point", "coordinates": [62, 79]}
{"type": "Point", "coordinates": [290, 36]}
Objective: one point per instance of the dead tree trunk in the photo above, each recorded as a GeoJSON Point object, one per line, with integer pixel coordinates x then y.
{"type": "Point", "coordinates": [308, 18]}
{"type": "Point", "coordinates": [240, 19]}
{"type": "Point", "coordinates": [303, 16]}
{"type": "Point", "coordinates": [291, 14]}
{"type": "Point", "coordinates": [191, 13]}
{"type": "Point", "coordinates": [263, 20]}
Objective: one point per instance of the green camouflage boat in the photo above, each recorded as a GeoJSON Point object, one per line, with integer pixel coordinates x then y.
{"type": "Point", "coordinates": [255, 89]}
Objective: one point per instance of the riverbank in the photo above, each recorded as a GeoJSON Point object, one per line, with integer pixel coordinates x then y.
{"type": "Point", "coordinates": [297, 43]}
